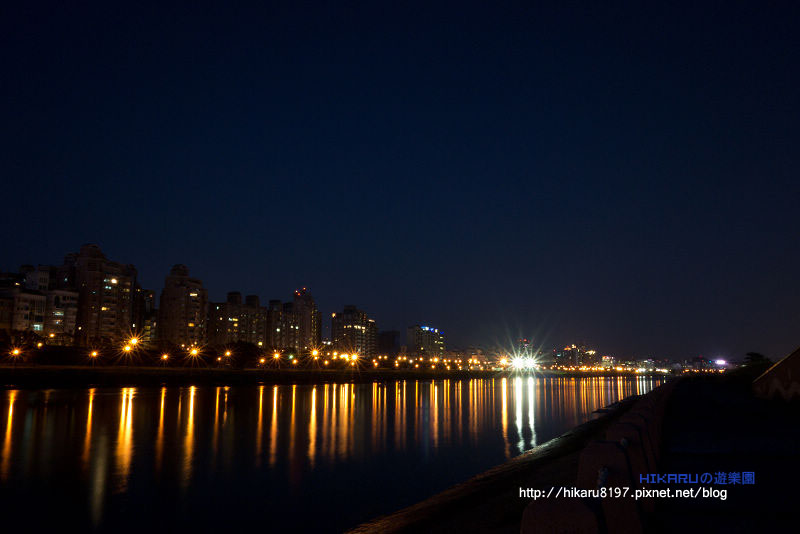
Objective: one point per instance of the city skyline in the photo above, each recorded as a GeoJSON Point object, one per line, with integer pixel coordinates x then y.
{"type": "Point", "coordinates": [625, 176]}
{"type": "Point", "coordinates": [183, 313]}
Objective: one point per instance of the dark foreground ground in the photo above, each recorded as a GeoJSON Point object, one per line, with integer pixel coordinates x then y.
{"type": "Point", "coordinates": [712, 424]}
{"type": "Point", "coordinates": [719, 426]}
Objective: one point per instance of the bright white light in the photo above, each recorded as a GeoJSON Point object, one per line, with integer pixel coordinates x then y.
{"type": "Point", "coordinates": [720, 362]}
{"type": "Point", "coordinates": [520, 363]}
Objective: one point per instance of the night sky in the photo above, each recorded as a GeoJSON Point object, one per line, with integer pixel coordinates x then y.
{"type": "Point", "coordinates": [624, 176]}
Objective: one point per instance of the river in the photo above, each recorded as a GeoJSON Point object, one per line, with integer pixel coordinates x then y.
{"type": "Point", "coordinates": [289, 457]}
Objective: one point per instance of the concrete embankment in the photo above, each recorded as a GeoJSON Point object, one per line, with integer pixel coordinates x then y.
{"type": "Point", "coordinates": [490, 502]}
{"type": "Point", "coordinates": [710, 427]}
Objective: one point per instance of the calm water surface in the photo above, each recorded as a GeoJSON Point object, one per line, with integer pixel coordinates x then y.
{"type": "Point", "coordinates": [309, 458]}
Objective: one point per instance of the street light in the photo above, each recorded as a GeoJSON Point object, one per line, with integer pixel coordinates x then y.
{"type": "Point", "coordinates": [194, 355]}
{"type": "Point", "coordinates": [15, 354]}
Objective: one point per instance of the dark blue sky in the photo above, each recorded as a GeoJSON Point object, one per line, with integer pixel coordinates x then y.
{"type": "Point", "coordinates": [626, 176]}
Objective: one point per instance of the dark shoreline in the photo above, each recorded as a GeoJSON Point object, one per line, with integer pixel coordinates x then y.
{"type": "Point", "coordinates": [52, 376]}
{"type": "Point", "coordinates": [491, 495]}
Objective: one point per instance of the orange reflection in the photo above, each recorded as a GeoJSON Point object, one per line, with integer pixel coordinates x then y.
{"type": "Point", "coordinates": [273, 432]}
{"type": "Point", "coordinates": [12, 396]}
{"type": "Point", "coordinates": [260, 426]}
{"type": "Point", "coordinates": [125, 438]}
{"type": "Point", "coordinates": [435, 414]}
{"type": "Point", "coordinates": [292, 425]}
{"type": "Point", "coordinates": [215, 437]}
{"type": "Point", "coordinates": [312, 428]}
{"type": "Point", "coordinates": [87, 442]}
{"type": "Point", "coordinates": [188, 445]}
{"type": "Point", "coordinates": [160, 435]}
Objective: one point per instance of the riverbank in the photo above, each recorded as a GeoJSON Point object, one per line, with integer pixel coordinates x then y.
{"type": "Point", "coordinates": [54, 376]}
{"type": "Point", "coordinates": [490, 501]}
{"type": "Point", "coordinates": [711, 424]}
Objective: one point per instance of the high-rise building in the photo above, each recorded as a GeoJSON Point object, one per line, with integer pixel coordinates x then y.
{"type": "Point", "coordinates": [145, 315]}
{"type": "Point", "coordinates": [274, 318]}
{"type": "Point", "coordinates": [576, 355]}
{"type": "Point", "coordinates": [352, 331]}
{"type": "Point", "coordinates": [61, 315]}
{"type": "Point", "coordinates": [22, 310]}
{"type": "Point", "coordinates": [183, 309]}
{"type": "Point", "coordinates": [289, 328]}
{"type": "Point", "coordinates": [254, 317]}
{"type": "Point", "coordinates": [425, 341]}
{"type": "Point", "coordinates": [233, 321]}
{"type": "Point", "coordinates": [61, 302]}
{"type": "Point", "coordinates": [309, 320]}
{"type": "Point", "coordinates": [105, 295]}
{"type": "Point", "coordinates": [41, 278]}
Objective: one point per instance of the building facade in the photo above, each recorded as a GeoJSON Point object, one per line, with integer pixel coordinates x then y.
{"type": "Point", "coordinates": [23, 310]}
{"type": "Point", "coordinates": [105, 295]}
{"type": "Point", "coordinates": [309, 321]}
{"type": "Point", "coordinates": [61, 316]}
{"type": "Point", "coordinates": [235, 321]}
{"type": "Point", "coordinates": [183, 309]}
{"type": "Point", "coordinates": [425, 341]}
{"type": "Point", "coordinates": [353, 332]}
{"type": "Point", "coordinates": [145, 315]}
{"type": "Point", "coordinates": [576, 356]}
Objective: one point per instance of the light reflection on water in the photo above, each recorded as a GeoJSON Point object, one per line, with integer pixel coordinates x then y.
{"type": "Point", "coordinates": [199, 452]}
